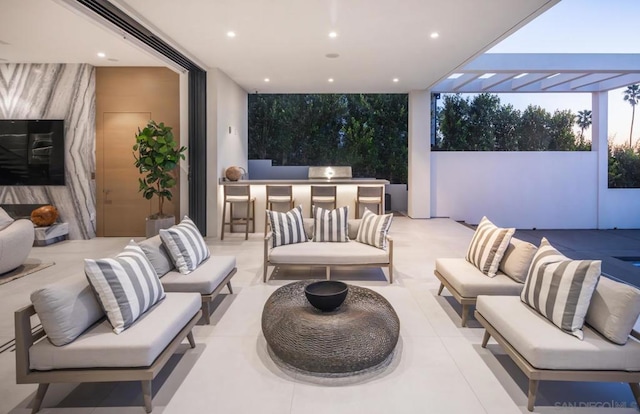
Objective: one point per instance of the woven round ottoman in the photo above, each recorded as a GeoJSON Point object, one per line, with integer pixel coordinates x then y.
{"type": "Point", "coordinates": [362, 333]}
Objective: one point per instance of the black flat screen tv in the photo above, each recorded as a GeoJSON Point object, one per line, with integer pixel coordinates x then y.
{"type": "Point", "coordinates": [31, 152]}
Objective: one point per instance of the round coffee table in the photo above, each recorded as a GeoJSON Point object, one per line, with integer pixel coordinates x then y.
{"type": "Point", "coordinates": [362, 333]}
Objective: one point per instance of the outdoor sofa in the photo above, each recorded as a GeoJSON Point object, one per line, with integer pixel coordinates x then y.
{"type": "Point", "coordinates": [351, 253]}
{"type": "Point", "coordinates": [609, 351]}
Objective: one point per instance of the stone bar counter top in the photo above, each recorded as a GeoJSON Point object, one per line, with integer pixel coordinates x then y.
{"type": "Point", "coordinates": [346, 189]}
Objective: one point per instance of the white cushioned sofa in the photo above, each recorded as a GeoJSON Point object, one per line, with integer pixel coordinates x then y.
{"type": "Point", "coordinates": [466, 282]}
{"type": "Point", "coordinates": [78, 343]}
{"type": "Point", "coordinates": [208, 279]}
{"type": "Point", "coordinates": [16, 240]}
{"type": "Point", "coordinates": [609, 351]}
{"type": "Point", "coordinates": [327, 254]}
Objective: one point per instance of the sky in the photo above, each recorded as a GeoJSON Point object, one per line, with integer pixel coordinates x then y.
{"type": "Point", "coordinates": [580, 26]}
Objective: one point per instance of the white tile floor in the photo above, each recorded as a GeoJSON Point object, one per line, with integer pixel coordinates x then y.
{"type": "Point", "coordinates": [438, 368]}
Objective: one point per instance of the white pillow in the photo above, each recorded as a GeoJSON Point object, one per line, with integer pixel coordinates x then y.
{"type": "Point", "coordinates": [373, 229]}
{"type": "Point", "coordinates": [488, 246]}
{"type": "Point", "coordinates": [126, 286]}
{"type": "Point", "coordinates": [185, 245]}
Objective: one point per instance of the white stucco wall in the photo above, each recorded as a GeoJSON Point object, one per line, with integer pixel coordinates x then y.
{"type": "Point", "coordinates": [620, 208]}
{"type": "Point", "coordinates": [544, 190]}
{"type": "Point", "coordinates": [227, 138]}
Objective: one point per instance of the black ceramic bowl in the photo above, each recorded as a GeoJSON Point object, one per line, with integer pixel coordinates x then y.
{"type": "Point", "coordinates": [326, 295]}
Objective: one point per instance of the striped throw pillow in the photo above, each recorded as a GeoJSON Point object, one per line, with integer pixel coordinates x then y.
{"type": "Point", "coordinates": [287, 228]}
{"type": "Point", "coordinates": [330, 225]}
{"type": "Point", "coordinates": [185, 245]}
{"type": "Point", "coordinates": [126, 286]}
{"type": "Point", "coordinates": [560, 289]}
{"type": "Point", "coordinates": [373, 229]}
{"type": "Point", "coordinates": [488, 245]}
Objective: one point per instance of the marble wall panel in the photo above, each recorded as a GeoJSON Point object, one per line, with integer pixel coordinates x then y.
{"type": "Point", "coordinates": [57, 91]}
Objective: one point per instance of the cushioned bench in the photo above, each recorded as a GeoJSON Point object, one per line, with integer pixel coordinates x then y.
{"type": "Point", "coordinates": [208, 279]}
{"type": "Point", "coordinates": [327, 254]}
{"type": "Point", "coordinates": [544, 352]}
{"type": "Point", "coordinates": [466, 282]}
{"type": "Point", "coordinates": [91, 351]}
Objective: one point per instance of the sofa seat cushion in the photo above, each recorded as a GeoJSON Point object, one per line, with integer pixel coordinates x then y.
{"type": "Point", "coordinates": [471, 282]}
{"type": "Point", "coordinates": [138, 346]}
{"type": "Point", "coordinates": [204, 279]}
{"type": "Point", "coordinates": [546, 346]}
{"type": "Point", "coordinates": [328, 253]}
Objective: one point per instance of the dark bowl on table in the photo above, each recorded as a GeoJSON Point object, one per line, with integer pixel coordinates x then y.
{"type": "Point", "coordinates": [326, 295]}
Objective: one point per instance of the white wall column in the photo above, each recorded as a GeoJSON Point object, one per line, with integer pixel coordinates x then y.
{"type": "Point", "coordinates": [600, 144]}
{"type": "Point", "coordinates": [419, 185]}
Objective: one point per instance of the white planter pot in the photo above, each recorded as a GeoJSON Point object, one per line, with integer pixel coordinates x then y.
{"type": "Point", "coordinates": [155, 225]}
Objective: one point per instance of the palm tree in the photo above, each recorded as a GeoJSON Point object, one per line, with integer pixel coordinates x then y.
{"type": "Point", "coordinates": [583, 119]}
{"type": "Point", "coordinates": [632, 95]}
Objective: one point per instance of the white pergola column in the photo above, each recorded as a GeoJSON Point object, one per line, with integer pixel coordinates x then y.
{"type": "Point", "coordinates": [600, 144]}
{"type": "Point", "coordinates": [419, 185]}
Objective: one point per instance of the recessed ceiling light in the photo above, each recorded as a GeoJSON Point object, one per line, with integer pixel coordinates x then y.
{"type": "Point", "coordinates": [231, 34]}
{"type": "Point", "coordinates": [522, 75]}
{"type": "Point", "coordinates": [487, 76]}
{"type": "Point", "coordinates": [434, 35]}
{"type": "Point", "coordinates": [113, 60]}
{"type": "Point", "coordinates": [396, 80]}
{"type": "Point", "coordinates": [101, 54]}
{"type": "Point", "coordinates": [333, 35]}
{"type": "Point", "coordinates": [454, 76]}
{"type": "Point", "coordinates": [330, 80]}
{"type": "Point", "coordinates": [267, 79]}
{"type": "Point", "coordinates": [332, 55]}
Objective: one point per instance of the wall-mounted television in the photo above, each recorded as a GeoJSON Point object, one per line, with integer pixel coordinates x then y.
{"type": "Point", "coordinates": [31, 152]}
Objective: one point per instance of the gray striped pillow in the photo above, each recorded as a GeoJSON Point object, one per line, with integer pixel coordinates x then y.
{"type": "Point", "coordinates": [560, 289]}
{"type": "Point", "coordinates": [126, 286]}
{"type": "Point", "coordinates": [373, 229]}
{"type": "Point", "coordinates": [287, 228]}
{"type": "Point", "coordinates": [185, 245]}
{"type": "Point", "coordinates": [487, 247]}
{"type": "Point", "coordinates": [330, 225]}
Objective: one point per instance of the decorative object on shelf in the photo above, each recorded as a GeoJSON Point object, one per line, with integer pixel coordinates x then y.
{"type": "Point", "coordinates": [234, 173]}
{"type": "Point", "coordinates": [326, 295]}
{"type": "Point", "coordinates": [157, 155]}
{"type": "Point", "coordinates": [44, 216]}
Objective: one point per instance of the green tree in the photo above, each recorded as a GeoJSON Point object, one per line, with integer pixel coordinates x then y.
{"type": "Point", "coordinates": [632, 95]}
{"type": "Point", "coordinates": [482, 116]}
{"type": "Point", "coordinates": [624, 167]}
{"type": "Point", "coordinates": [583, 120]}
{"type": "Point", "coordinates": [561, 134]}
{"type": "Point", "coordinates": [454, 123]}
{"type": "Point", "coordinates": [507, 120]}
{"type": "Point", "coordinates": [534, 132]}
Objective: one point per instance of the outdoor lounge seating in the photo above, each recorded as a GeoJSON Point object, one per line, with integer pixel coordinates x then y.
{"type": "Point", "coordinates": [97, 354]}
{"type": "Point", "coordinates": [208, 279]}
{"type": "Point", "coordinates": [466, 282]}
{"type": "Point", "coordinates": [544, 352]}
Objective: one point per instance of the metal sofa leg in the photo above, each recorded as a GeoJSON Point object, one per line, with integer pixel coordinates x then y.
{"type": "Point", "coordinates": [533, 389]}
{"type": "Point", "coordinates": [230, 288]}
{"type": "Point", "coordinates": [440, 290]}
{"type": "Point", "coordinates": [146, 395]}
{"type": "Point", "coordinates": [37, 401]}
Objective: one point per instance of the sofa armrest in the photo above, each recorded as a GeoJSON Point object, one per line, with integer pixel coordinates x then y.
{"type": "Point", "coordinates": [25, 338]}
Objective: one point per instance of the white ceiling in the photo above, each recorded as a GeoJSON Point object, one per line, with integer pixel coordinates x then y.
{"type": "Point", "coordinates": [284, 40]}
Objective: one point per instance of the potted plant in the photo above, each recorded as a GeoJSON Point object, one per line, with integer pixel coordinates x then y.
{"type": "Point", "coordinates": [157, 155]}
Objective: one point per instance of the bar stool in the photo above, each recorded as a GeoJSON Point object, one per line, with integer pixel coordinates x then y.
{"type": "Point", "coordinates": [238, 194]}
{"type": "Point", "coordinates": [369, 195]}
{"type": "Point", "coordinates": [323, 194]}
{"type": "Point", "coordinates": [278, 194]}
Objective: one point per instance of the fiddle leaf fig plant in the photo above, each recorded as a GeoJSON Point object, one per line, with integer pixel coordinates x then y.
{"type": "Point", "coordinates": [157, 155]}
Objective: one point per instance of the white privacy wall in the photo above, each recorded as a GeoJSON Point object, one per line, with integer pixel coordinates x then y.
{"type": "Point", "coordinates": [544, 190]}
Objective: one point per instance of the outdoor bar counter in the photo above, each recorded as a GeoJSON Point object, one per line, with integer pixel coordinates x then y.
{"type": "Point", "coordinates": [346, 190]}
